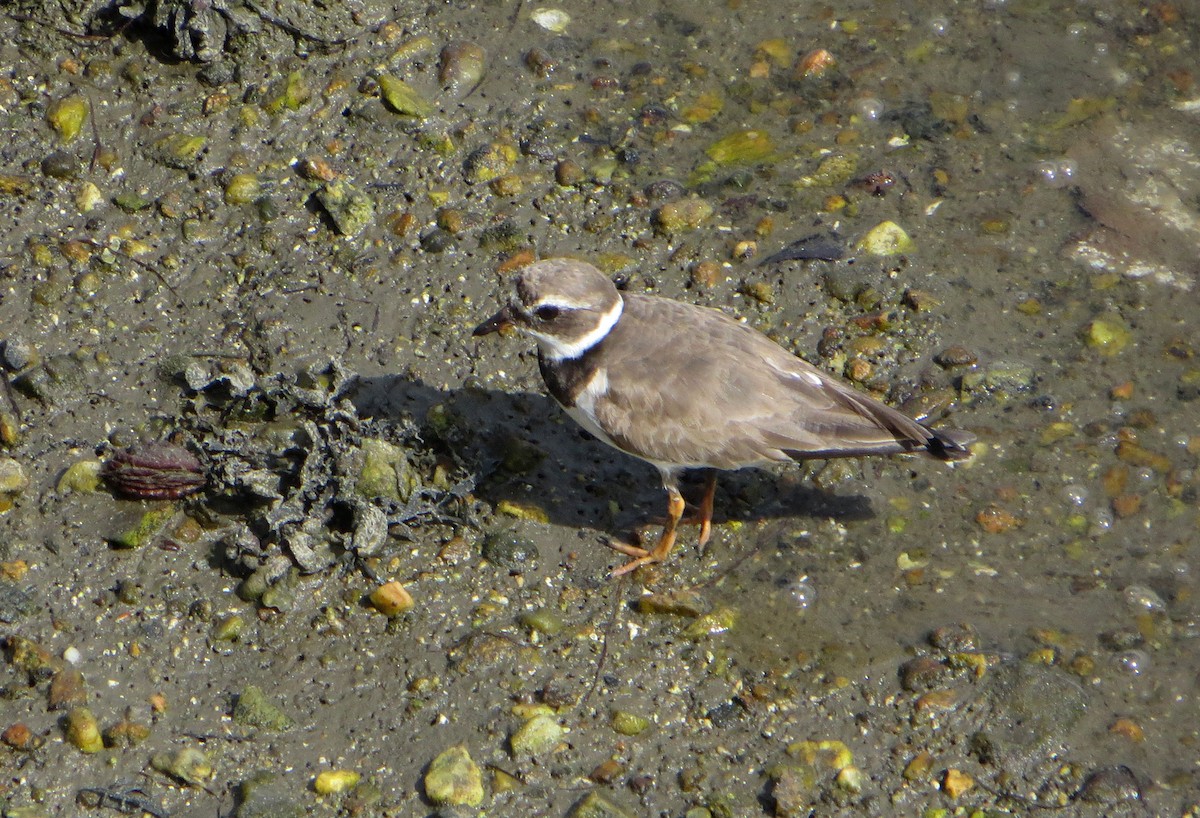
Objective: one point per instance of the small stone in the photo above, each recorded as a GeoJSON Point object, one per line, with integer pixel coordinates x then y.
{"type": "Point", "coordinates": [126, 733]}
{"type": "Point", "coordinates": [147, 528]}
{"type": "Point", "coordinates": [460, 67]}
{"type": "Point", "coordinates": [350, 209]}
{"type": "Point", "coordinates": [629, 724]}
{"type": "Point", "coordinates": [83, 731]}
{"type": "Point", "coordinates": [331, 782]}
{"type": "Point", "coordinates": [539, 735]}
{"type": "Point", "coordinates": [254, 710]}
{"type": "Point", "coordinates": [188, 764]}
{"type": "Point", "coordinates": [13, 479]}
{"type": "Point", "coordinates": [181, 151]}
{"type": "Point", "coordinates": [710, 624]}
{"type": "Point", "coordinates": [18, 736]}
{"type": "Point", "coordinates": [1108, 335]}
{"type": "Point", "coordinates": [403, 98]}
{"type": "Point", "coordinates": [510, 551]}
{"type": "Point", "coordinates": [597, 805]}
{"type": "Point", "coordinates": [687, 603]}
{"type": "Point", "coordinates": [454, 779]}
{"type": "Point", "coordinates": [543, 620]}
{"type": "Point", "coordinates": [569, 173]}
{"type": "Point", "coordinates": [955, 356]}
{"type": "Point", "coordinates": [997, 520]}
{"type": "Point", "coordinates": [919, 767]}
{"type": "Point", "coordinates": [489, 162]}
{"type": "Point", "coordinates": [67, 690]}
{"type": "Point", "coordinates": [60, 165]}
{"type": "Point", "coordinates": [553, 20]}
{"type": "Point", "coordinates": [386, 471]}
{"type": "Point", "coordinates": [679, 216]}
{"type": "Point", "coordinates": [391, 599]}
{"type": "Point", "coordinates": [228, 628]}
{"type": "Point", "coordinates": [82, 477]}
{"type": "Point", "coordinates": [66, 116]}
{"type": "Point", "coordinates": [1112, 785]}
{"type": "Point", "coordinates": [923, 673]}
{"type": "Point", "coordinates": [748, 147]}
{"type": "Point", "coordinates": [955, 783]}
{"type": "Point", "coordinates": [242, 188]}
{"type": "Point", "coordinates": [885, 239]}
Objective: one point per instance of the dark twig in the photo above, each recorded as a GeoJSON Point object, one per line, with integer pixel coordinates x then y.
{"type": "Point", "coordinates": [618, 595]}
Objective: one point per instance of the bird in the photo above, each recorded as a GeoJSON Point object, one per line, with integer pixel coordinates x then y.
{"type": "Point", "coordinates": [684, 387]}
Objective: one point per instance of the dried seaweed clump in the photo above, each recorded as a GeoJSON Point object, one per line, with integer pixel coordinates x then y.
{"type": "Point", "coordinates": [311, 482]}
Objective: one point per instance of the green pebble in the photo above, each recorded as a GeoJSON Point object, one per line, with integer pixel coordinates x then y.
{"type": "Point", "coordinates": [597, 805]}
{"type": "Point", "coordinates": [1108, 335]}
{"type": "Point", "coordinates": [543, 620]}
{"type": "Point", "coordinates": [254, 710]}
{"type": "Point", "coordinates": [147, 528]}
{"type": "Point", "coordinates": [539, 735]}
{"type": "Point", "coordinates": [629, 724]}
{"type": "Point", "coordinates": [749, 147]}
{"type": "Point", "coordinates": [13, 479]}
{"type": "Point", "coordinates": [350, 209]}
{"type": "Point", "coordinates": [711, 624]}
{"type": "Point", "coordinates": [67, 116]}
{"type": "Point", "coordinates": [885, 239]}
{"type": "Point", "coordinates": [188, 764]}
{"type": "Point", "coordinates": [454, 779]}
{"type": "Point", "coordinates": [242, 188]}
{"type": "Point", "coordinates": [82, 477]}
{"type": "Point", "coordinates": [403, 98]}
{"type": "Point", "coordinates": [385, 472]}
{"type": "Point", "coordinates": [83, 731]}
{"type": "Point", "coordinates": [228, 629]}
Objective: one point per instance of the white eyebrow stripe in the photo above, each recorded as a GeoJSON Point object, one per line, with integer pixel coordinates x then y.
{"type": "Point", "coordinates": [558, 350]}
{"type": "Point", "coordinates": [559, 301]}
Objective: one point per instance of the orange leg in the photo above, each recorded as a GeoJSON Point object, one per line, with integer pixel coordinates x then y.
{"type": "Point", "coordinates": [675, 506]}
{"type": "Point", "coordinates": [704, 511]}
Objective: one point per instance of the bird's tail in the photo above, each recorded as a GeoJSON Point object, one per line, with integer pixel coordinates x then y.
{"type": "Point", "coordinates": [949, 444]}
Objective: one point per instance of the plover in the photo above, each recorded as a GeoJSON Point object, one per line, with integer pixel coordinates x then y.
{"type": "Point", "coordinates": [687, 387]}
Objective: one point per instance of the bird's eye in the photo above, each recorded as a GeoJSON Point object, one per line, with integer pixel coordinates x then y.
{"type": "Point", "coordinates": [547, 312]}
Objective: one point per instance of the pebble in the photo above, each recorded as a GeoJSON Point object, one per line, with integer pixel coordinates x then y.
{"type": "Point", "coordinates": [682, 215]}
{"type": "Point", "coordinates": [461, 67]}
{"type": "Point", "coordinates": [391, 599]}
{"type": "Point", "coordinates": [598, 805]}
{"type": "Point", "coordinates": [454, 779]}
{"type": "Point", "coordinates": [252, 709]}
{"type": "Point", "coordinates": [539, 735]}
{"type": "Point", "coordinates": [83, 731]}
{"type": "Point", "coordinates": [330, 782]}
{"type": "Point", "coordinates": [510, 551]}
{"type": "Point", "coordinates": [188, 764]}
{"type": "Point", "coordinates": [885, 239]}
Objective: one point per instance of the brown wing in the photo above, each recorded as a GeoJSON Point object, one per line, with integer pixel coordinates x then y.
{"type": "Point", "coordinates": [719, 393]}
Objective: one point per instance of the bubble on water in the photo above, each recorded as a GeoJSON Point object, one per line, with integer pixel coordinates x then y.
{"type": "Point", "coordinates": [1056, 173]}
{"type": "Point", "coordinates": [1075, 494]}
{"type": "Point", "coordinates": [1143, 599]}
{"type": "Point", "coordinates": [1102, 521]}
{"type": "Point", "coordinates": [1133, 662]}
{"type": "Point", "coordinates": [869, 108]}
{"type": "Point", "coordinates": [939, 25]}
{"type": "Point", "coordinates": [802, 593]}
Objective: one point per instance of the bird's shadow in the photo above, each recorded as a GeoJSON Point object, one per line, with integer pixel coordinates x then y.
{"type": "Point", "coordinates": [524, 450]}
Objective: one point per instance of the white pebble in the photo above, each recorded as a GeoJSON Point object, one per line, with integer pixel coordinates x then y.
{"type": "Point", "coordinates": [555, 20]}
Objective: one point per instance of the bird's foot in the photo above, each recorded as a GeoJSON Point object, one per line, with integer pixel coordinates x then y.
{"type": "Point", "coordinates": [642, 556]}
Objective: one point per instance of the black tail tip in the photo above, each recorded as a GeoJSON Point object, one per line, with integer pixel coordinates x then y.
{"type": "Point", "coordinates": [950, 444]}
